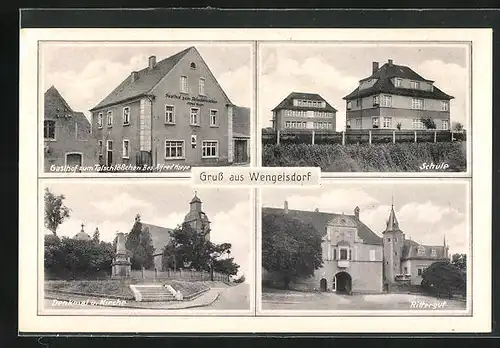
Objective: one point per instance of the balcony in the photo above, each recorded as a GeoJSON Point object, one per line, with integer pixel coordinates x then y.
{"type": "Point", "coordinates": [343, 263]}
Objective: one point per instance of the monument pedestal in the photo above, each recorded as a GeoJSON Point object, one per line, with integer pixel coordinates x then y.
{"type": "Point", "coordinates": [121, 265]}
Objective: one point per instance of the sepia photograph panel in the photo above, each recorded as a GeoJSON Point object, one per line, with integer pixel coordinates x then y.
{"type": "Point", "coordinates": [112, 107]}
{"type": "Point", "coordinates": [366, 246]}
{"type": "Point", "coordinates": [113, 247]}
{"type": "Point", "coordinates": [365, 107]}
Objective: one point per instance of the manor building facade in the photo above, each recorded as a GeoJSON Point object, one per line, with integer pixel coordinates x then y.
{"type": "Point", "coordinates": [303, 111]}
{"type": "Point", "coordinates": [396, 97]}
{"type": "Point", "coordinates": [171, 112]}
{"type": "Point", "coordinates": [355, 258]}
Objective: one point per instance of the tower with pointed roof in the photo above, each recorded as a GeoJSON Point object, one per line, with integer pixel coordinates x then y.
{"type": "Point", "coordinates": [393, 240]}
{"type": "Point", "coordinates": [197, 218]}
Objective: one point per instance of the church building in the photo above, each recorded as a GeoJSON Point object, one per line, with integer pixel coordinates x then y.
{"type": "Point", "coordinates": [355, 258]}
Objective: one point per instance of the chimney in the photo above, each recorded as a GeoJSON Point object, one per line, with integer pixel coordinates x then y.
{"type": "Point", "coordinates": [356, 213]}
{"type": "Point", "coordinates": [152, 62]}
{"type": "Point", "coordinates": [133, 76]}
{"type": "Point", "coordinates": [390, 62]}
{"type": "Point", "coordinates": [286, 207]}
{"type": "Point", "coordinates": [316, 210]}
{"type": "Point", "coordinates": [374, 67]}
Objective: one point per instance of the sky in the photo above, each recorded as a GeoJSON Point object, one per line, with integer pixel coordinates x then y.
{"type": "Point", "coordinates": [333, 70]}
{"type": "Point", "coordinates": [112, 206]}
{"type": "Point", "coordinates": [85, 73]}
{"type": "Point", "coordinates": [426, 211]}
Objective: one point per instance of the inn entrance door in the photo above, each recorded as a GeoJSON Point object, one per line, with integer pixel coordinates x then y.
{"type": "Point", "coordinates": [73, 159]}
{"type": "Point", "coordinates": [240, 151]}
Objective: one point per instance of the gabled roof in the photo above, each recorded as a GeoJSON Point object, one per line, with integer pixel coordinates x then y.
{"type": "Point", "coordinates": [384, 84]}
{"type": "Point", "coordinates": [51, 97]}
{"type": "Point", "coordinates": [159, 235]}
{"type": "Point", "coordinates": [410, 251]}
{"type": "Point", "coordinates": [287, 103]}
{"type": "Point", "coordinates": [144, 82]}
{"type": "Point", "coordinates": [241, 121]}
{"type": "Point", "coordinates": [319, 220]}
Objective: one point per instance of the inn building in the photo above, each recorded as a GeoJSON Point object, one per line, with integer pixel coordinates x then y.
{"type": "Point", "coordinates": [357, 259]}
{"type": "Point", "coordinates": [303, 111]}
{"type": "Point", "coordinates": [173, 111]}
{"type": "Point", "coordinates": [396, 97]}
{"type": "Point", "coordinates": [66, 134]}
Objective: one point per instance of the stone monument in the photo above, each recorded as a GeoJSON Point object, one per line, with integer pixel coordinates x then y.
{"type": "Point", "coordinates": [121, 263]}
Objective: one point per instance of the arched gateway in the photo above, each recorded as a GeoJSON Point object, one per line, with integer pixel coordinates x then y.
{"type": "Point", "coordinates": [342, 283]}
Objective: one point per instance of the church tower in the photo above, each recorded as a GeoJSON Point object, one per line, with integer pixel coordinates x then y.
{"type": "Point", "coordinates": [393, 239]}
{"type": "Point", "coordinates": [196, 218]}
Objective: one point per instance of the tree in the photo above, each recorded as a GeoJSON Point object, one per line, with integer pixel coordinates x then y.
{"type": "Point", "coordinates": [429, 123]}
{"type": "Point", "coordinates": [443, 279]}
{"type": "Point", "coordinates": [96, 236]}
{"type": "Point", "coordinates": [458, 127]}
{"type": "Point", "coordinates": [140, 246]}
{"type": "Point", "coordinates": [192, 246]}
{"type": "Point", "coordinates": [289, 246]}
{"type": "Point", "coordinates": [459, 261]}
{"type": "Point", "coordinates": [55, 211]}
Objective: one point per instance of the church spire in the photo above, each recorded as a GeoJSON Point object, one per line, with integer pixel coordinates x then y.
{"type": "Point", "coordinates": [195, 203]}
{"type": "Point", "coordinates": [392, 222]}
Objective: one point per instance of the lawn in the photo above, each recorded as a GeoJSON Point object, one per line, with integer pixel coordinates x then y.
{"type": "Point", "coordinates": [92, 287]}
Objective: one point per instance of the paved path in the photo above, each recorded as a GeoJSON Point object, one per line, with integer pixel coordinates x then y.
{"type": "Point", "coordinates": [290, 300]}
{"type": "Point", "coordinates": [232, 298]}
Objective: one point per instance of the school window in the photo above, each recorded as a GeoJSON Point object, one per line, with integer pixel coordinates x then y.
{"type": "Point", "coordinates": [194, 116]}
{"type": "Point", "coordinates": [421, 250]}
{"type": "Point", "coordinates": [376, 100]}
{"type": "Point", "coordinates": [419, 271]}
{"type": "Point", "coordinates": [372, 255]}
{"type": "Point", "coordinates": [125, 149]}
{"type": "Point", "coordinates": [415, 85]}
{"type": "Point", "coordinates": [433, 253]}
{"type": "Point", "coordinates": [406, 270]}
{"type": "Point", "coordinates": [201, 86]}
{"type": "Point", "coordinates": [287, 124]}
{"type": "Point", "coordinates": [210, 149]}
{"type": "Point", "coordinates": [445, 125]}
{"type": "Point", "coordinates": [417, 123]}
{"type": "Point", "coordinates": [174, 149]}
{"type": "Point", "coordinates": [358, 102]}
{"type": "Point", "coordinates": [289, 113]}
{"type": "Point", "coordinates": [350, 254]}
{"type": "Point", "coordinates": [99, 147]}
{"type": "Point", "coordinates": [375, 122]}
{"type": "Point", "coordinates": [193, 65]}
{"type": "Point", "coordinates": [386, 100]}
{"type": "Point", "coordinates": [343, 254]}
{"type": "Point", "coordinates": [335, 254]}
{"type": "Point", "coordinates": [109, 145]}
{"type": "Point", "coordinates": [110, 118]}
{"type": "Point", "coordinates": [349, 105]}
{"type": "Point", "coordinates": [213, 118]}
{"type": "Point", "coordinates": [417, 103]}
{"type": "Point", "coordinates": [184, 84]}
{"type": "Point", "coordinates": [169, 114]}
{"type": "Point", "coordinates": [358, 123]}
{"type": "Point", "coordinates": [388, 239]}
{"type": "Point", "coordinates": [398, 82]}
{"type": "Point", "coordinates": [99, 120]}
{"type": "Point", "coordinates": [445, 105]}
{"type": "Point", "coordinates": [49, 129]}
{"type": "Point", "coordinates": [387, 122]}
{"type": "Point", "coordinates": [126, 115]}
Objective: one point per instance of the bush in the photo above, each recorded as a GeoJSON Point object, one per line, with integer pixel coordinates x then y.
{"type": "Point", "coordinates": [443, 279]}
{"type": "Point", "coordinates": [399, 157]}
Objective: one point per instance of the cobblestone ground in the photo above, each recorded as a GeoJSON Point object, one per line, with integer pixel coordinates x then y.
{"type": "Point", "coordinates": [290, 300]}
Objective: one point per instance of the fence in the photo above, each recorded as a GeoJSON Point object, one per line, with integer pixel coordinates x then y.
{"type": "Point", "coordinates": [179, 274]}
{"type": "Point", "coordinates": [360, 136]}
